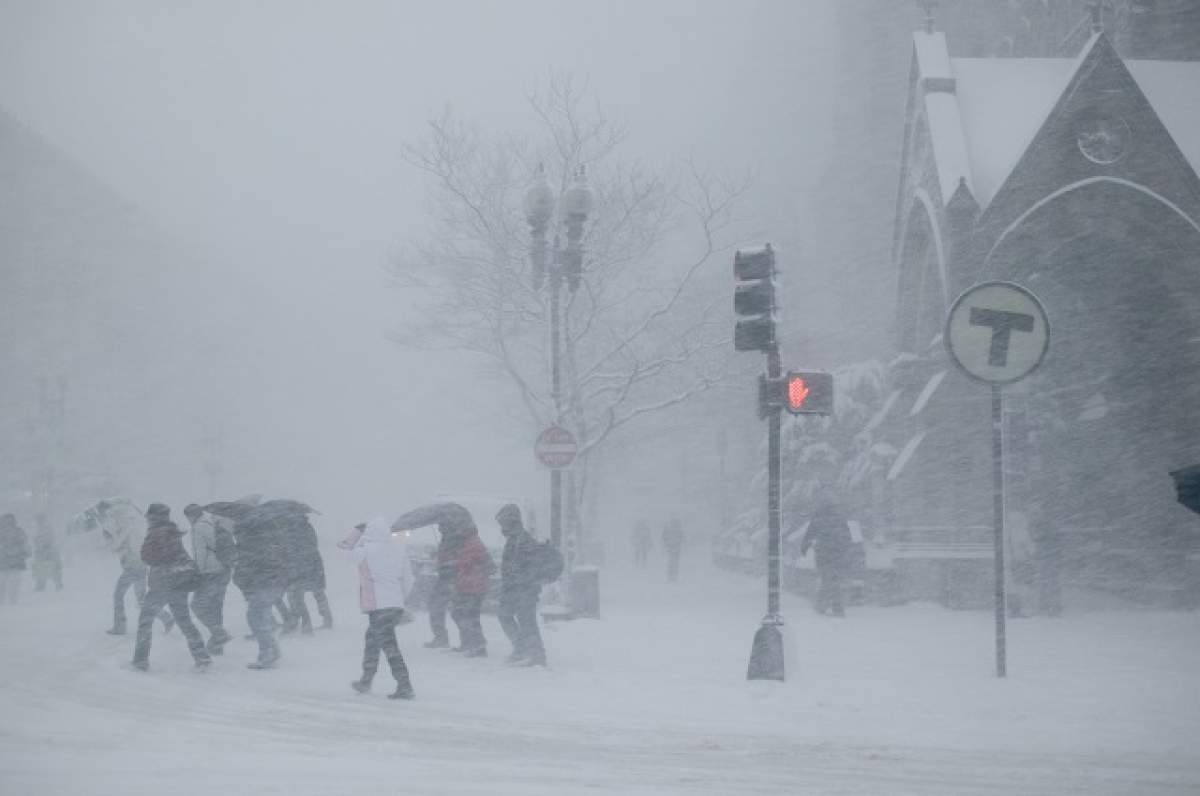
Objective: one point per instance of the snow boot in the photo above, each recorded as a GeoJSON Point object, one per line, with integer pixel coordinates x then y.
{"type": "Point", "coordinates": [141, 666]}
{"type": "Point", "coordinates": [475, 652]}
{"type": "Point", "coordinates": [516, 659]}
{"type": "Point", "coordinates": [361, 686]}
{"type": "Point", "coordinates": [402, 692]}
{"type": "Point", "coordinates": [202, 664]}
{"type": "Point", "coordinates": [437, 643]}
{"type": "Point", "coordinates": [116, 630]}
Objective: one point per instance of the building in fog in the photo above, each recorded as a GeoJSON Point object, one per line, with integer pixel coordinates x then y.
{"type": "Point", "coordinates": [1075, 176]}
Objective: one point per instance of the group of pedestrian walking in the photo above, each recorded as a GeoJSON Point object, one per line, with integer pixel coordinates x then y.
{"type": "Point", "coordinates": [17, 556]}
{"type": "Point", "coordinates": [672, 543]}
{"type": "Point", "coordinates": [267, 550]}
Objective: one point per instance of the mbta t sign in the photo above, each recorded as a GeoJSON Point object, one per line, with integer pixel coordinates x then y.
{"type": "Point", "coordinates": [556, 448]}
{"type": "Point", "coordinates": [998, 333]}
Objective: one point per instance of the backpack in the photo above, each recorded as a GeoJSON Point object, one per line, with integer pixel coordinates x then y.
{"type": "Point", "coordinates": [547, 562]}
{"type": "Point", "coordinates": [224, 547]}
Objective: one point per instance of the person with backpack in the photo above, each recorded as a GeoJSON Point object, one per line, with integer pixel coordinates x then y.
{"type": "Point", "coordinates": [173, 574]}
{"type": "Point", "coordinates": [215, 553]}
{"type": "Point", "coordinates": [521, 575]}
{"type": "Point", "coordinates": [385, 579]}
{"type": "Point", "coordinates": [14, 552]}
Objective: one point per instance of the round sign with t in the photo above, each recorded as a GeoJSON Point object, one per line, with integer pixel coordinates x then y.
{"type": "Point", "coordinates": [997, 332]}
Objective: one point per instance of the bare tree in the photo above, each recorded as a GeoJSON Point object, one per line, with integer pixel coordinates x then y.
{"type": "Point", "coordinates": [640, 333]}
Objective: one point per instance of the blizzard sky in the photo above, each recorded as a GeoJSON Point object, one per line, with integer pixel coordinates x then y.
{"type": "Point", "coordinates": [266, 137]}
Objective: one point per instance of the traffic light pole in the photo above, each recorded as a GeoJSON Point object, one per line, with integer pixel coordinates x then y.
{"type": "Point", "coordinates": [766, 656]}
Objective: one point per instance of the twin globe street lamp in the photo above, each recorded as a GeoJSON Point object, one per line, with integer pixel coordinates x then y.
{"type": "Point", "coordinates": [552, 265]}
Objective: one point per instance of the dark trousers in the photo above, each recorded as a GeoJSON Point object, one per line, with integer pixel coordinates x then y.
{"type": "Point", "coordinates": [465, 610]}
{"type": "Point", "coordinates": [439, 601]}
{"type": "Point", "coordinates": [829, 592]}
{"type": "Point", "coordinates": [208, 603]}
{"type": "Point", "coordinates": [177, 600]}
{"type": "Point", "coordinates": [47, 570]}
{"type": "Point", "coordinates": [258, 616]}
{"type": "Point", "coordinates": [381, 637]}
{"type": "Point", "coordinates": [673, 565]}
{"type": "Point", "coordinates": [518, 618]}
{"type": "Point", "coordinates": [137, 579]}
{"type": "Point", "coordinates": [299, 610]}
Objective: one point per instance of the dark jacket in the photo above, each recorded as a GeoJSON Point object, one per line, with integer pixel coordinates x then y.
{"type": "Point", "coordinates": [306, 568]}
{"type": "Point", "coordinates": [517, 565]}
{"type": "Point", "coordinates": [829, 534]}
{"type": "Point", "coordinates": [672, 537]}
{"type": "Point", "coordinates": [163, 552]}
{"type": "Point", "coordinates": [262, 553]}
{"type": "Point", "coordinates": [45, 548]}
{"type": "Point", "coordinates": [14, 545]}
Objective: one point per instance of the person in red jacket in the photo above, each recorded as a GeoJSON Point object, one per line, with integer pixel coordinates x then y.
{"type": "Point", "coordinates": [473, 568]}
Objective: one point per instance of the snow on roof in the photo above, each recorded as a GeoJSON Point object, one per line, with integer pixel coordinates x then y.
{"type": "Point", "coordinates": [1173, 89]}
{"type": "Point", "coordinates": [1002, 103]}
{"type": "Point", "coordinates": [941, 111]}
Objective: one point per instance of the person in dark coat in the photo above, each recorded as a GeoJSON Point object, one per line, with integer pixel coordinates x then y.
{"type": "Point", "coordinates": [262, 575]}
{"type": "Point", "coordinates": [672, 539]}
{"type": "Point", "coordinates": [14, 552]}
{"type": "Point", "coordinates": [306, 571]}
{"type": "Point", "coordinates": [520, 589]}
{"type": "Point", "coordinates": [829, 535]}
{"type": "Point", "coordinates": [641, 544]}
{"type": "Point", "coordinates": [172, 575]}
{"type": "Point", "coordinates": [452, 522]}
{"type": "Point", "coordinates": [47, 561]}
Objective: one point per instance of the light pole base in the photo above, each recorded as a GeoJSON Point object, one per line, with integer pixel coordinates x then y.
{"type": "Point", "coordinates": [766, 656]}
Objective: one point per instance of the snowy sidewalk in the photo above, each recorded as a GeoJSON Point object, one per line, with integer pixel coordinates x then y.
{"type": "Point", "coordinates": [650, 699]}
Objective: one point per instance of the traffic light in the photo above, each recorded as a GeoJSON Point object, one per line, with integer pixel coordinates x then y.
{"type": "Point", "coordinates": [809, 392]}
{"type": "Point", "coordinates": [754, 300]}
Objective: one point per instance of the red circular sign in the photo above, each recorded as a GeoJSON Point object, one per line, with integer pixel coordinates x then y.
{"type": "Point", "coordinates": [556, 447]}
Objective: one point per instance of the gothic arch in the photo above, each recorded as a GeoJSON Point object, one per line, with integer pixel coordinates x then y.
{"type": "Point", "coordinates": [923, 288]}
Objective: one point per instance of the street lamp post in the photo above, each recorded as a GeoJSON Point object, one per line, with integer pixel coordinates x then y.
{"type": "Point", "coordinates": [553, 266]}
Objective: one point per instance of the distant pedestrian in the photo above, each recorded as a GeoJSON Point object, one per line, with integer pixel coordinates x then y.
{"type": "Point", "coordinates": [521, 585]}
{"type": "Point", "coordinates": [14, 552]}
{"type": "Point", "coordinates": [452, 522]}
{"type": "Point", "coordinates": [672, 539]}
{"type": "Point", "coordinates": [262, 575]}
{"type": "Point", "coordinates": [215, 553]}
{"type": "Point", "coordinates": [385, 579]}
{"type": "Point", "coordinates": [642, 543]}
{"type": "Point", "coordinates": [124, 531]}
{"type": "Point", "coordinates": [829, 535]}
{"type": "Point", "coordinates": [173, 574]}
{"type": "Point", "coordinates": [47, 561]}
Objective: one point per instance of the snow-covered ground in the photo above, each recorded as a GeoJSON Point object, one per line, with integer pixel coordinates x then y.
{"type": "Point", "coordinates": [650, 699]}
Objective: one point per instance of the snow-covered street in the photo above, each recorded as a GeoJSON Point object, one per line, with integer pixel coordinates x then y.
{"type": "Point", "coordinates": [650, 699]}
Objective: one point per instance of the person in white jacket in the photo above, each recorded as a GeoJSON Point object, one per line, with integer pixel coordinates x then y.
{"type": "Point", "coordinates": [385, 579]}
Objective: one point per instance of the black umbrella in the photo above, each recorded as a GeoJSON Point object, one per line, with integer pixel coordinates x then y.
{"type": "Point", "coordinates": [285, 506]}
{"type": "Point", "coordinates": [1187, 486]}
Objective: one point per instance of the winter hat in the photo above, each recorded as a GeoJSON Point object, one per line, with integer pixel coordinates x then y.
{"type": "Point", "coordinates": [192, 511]}
{"type": "Point", "coordinates": [509, 514]}
{"type": "Point", "coordinates": [158, 511]}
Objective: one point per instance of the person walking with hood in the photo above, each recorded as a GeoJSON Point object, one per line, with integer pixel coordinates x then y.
{"type": "Point", "coordinates": [306, 570]}
{"type": "Point", "coordinates": [384, 580]}
{"type": "Point", "coordinates": [829, 534]}
{"type": "Point", "coordinates": [172, 575]}
{"type": "Point", "coordinates": [47, 560]}
{"type": "Point", "coordinates": [14, 552]}
{"type": "Point", "coordinates": [262, 575]}
{"type": "Point", "coordinates": [215, 552]}
{"type": "Point", "coordinates": [452, 522]}
{"type": "Point", "coordinates": [124, 531]}
{"type": "Point", "coordinates": [521, 586]}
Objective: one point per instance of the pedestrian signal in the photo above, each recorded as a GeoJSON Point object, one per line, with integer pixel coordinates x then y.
{"type": "Point", "coordinates": [809, 392]}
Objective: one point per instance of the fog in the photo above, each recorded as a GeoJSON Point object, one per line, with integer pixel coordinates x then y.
{"type": "Point", "coordinates": [262, 143]}
{"type": "Point", "coordinates": [451, 316]}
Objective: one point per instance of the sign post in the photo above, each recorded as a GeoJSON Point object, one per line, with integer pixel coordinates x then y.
{"type": "Point", "coordinates": [998, 333]}
{"type": "Point", "coordinates": [556, 449]}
